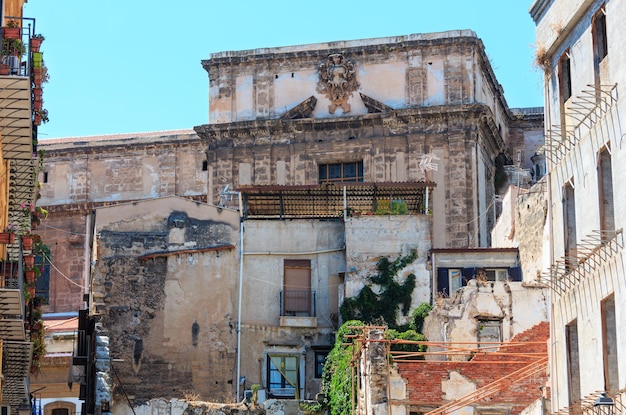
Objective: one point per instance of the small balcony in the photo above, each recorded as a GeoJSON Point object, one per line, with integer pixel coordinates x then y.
{"type": "Point", "coordinates": [297, 308]}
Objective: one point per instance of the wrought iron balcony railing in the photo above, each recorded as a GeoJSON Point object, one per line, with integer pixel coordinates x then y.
{"type": "Point", "coordinates": [16, 57]}
{"type": "Point", "coordinates": [297, 303]}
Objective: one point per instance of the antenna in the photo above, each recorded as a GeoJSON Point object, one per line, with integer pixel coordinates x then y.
{"type": "Point", "coordinates": [225, 196]}
{"type": "Point", "coordinates": [426, 163]}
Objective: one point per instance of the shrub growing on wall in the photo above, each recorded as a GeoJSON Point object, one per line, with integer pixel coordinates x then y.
{"type": "Point", "coordinates": [370, 307]}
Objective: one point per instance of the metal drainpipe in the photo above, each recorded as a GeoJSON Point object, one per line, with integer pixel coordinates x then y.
{"type": "Point", "coordinates": [239, 308]}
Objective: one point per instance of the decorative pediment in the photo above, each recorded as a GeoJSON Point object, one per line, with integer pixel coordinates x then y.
{"type": "Point", "coordinates": [373, 105]}
{"type": "Point", "coordinates": [337, 81]}
{"type": "Point", "coordinates": [302, 110]}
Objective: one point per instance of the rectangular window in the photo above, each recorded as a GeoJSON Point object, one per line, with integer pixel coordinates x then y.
{"type": "Point", "coordinates": [456, 279]}
{"type": "Point", "coordinates": [609, 344]}
{"type": "Point", "coordinates": [320, 359]}
{"type": "Point", "coordinates": [297, 295]}
{"type": "Point", "coordinates": [341, 172]}
{"type": "Point", "coordinates": [500, 274]}
{"type": "Point", "coordinates": [489, 331]}
{"type": "Point", "coordinates": [605, 192]}
{"type": "Point", "coordinates": [569, 221]}
{"type": "Point", "coordinates": [565, 77]}
{"type": "Point", "coordinates": [600, 44]}
{"type": "Point", "coordinates": [282, 375]}
{"type": "Point", "coordinates": [42, 284]}
{"type": "Point", "coordinates": [573, 365]}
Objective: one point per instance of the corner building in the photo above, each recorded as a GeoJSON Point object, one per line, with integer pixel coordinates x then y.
{"type": "Point", "coordinates": [581, 51]}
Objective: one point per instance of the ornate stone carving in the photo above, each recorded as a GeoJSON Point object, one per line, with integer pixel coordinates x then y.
{"type": "Point", "coordinates": [337, 81]}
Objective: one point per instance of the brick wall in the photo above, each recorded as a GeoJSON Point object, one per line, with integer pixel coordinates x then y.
{"type": "Point", "coordinates": [426, 379]}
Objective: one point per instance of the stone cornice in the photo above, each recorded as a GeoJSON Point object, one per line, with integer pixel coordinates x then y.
{"type": "Point", "coordinates": [277, 131]}
{"type": "Point", "coordinates": [355, 49]}
{"type": "Point", "coordinates": [97, 146]}
{"type": "Point", "coordinates": [74, 209]}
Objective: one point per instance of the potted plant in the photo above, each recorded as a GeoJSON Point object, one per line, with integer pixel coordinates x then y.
{"type": "Point", "coordinates": [8, 236]}
{"type": "Point", "coordinates": [35, 42]}
{"type": "Point", "coordinates": [41, 117]}
{"type": "Point", "coordinates": [13, 47]}
{"type": "Point", "coordinates": [37, 60]}
{"type": "Point", "coordinates": [29, 261]}
{"type": "Point", "coordinates": [37, 93]}
{"type": "Point", "coordinates": [12, 30]}
{"type": "Point", "coordinates": [30, 275]}
{"type": "Point", "coordinates": [27, 241]}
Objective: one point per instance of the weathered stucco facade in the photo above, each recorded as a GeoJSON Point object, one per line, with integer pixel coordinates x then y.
{"type": "Point", "coordinates": [159, 264]}
{"type": "Point", "coordinates": [583, 59]}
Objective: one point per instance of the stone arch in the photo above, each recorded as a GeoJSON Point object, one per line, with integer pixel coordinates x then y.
{"type": "Point", "coordinates": [52, 407]}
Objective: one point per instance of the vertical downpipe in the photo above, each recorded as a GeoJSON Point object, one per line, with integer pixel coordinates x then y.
{"type": "Point", "coordinates": [239, 307]}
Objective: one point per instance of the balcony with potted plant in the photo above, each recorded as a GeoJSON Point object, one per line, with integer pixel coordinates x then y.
{"type": "Point", "coordinates": [12, 49]}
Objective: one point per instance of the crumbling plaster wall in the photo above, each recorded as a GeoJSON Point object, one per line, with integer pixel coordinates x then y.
{"type": "Point", "coordinates": [413, 70]}
{"type": "Point", "coordinates": [267, 244]}
{"type": "Point", "coordinates": [424, 386]}
{"type": "Point", "coordinates": [369, 238]}
{"type": "Point", "coordinates": [170, 316]}
{"type": "Point", "coordinates": [532, 231]}
{"type": "Point", "coordinates": [456, 319]}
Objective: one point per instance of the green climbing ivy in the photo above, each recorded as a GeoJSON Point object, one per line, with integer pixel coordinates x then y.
{"type": "Point", "coordinates": [407, 335]}
{"type": "Point", "coordinates": [337, 374]}
{"type": "Point", "coordinates": [418, 316]}
{"type": "Point", "coordinates": [382, 308]}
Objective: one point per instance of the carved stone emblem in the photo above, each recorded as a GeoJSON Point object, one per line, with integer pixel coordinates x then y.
{"type": "Point", "coordinates": [337, 81]}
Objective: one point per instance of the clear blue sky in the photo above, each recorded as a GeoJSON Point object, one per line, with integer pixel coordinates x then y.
{"type": "Point", "coordinates": [124, 66]}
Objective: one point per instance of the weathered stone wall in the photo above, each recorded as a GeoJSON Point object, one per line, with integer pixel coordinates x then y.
{"type": "Point", "coordinates": [67, 236]}
{"type": "Point", "coordinates": [86, 173]}
{"type": "Point", "coordinates": [165, 286]}
{"type": "Point", "coordinates": [532, 231]}
{"type": "Point", "coordinates": [405, 71]}
{"type": "Point", "coordinates": [391, 147]}
{"type": "Point", "coordinates": [123, 167]}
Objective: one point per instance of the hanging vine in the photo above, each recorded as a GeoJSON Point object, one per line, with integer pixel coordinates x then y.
{"type": "Point", "coordinates": [382, 308]}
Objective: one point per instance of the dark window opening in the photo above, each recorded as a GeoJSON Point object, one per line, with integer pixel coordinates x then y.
{"type": "Point", "coordinates": [565, 77]}
{"type": "Point", "coordinates": [605, 193]}
{"type": "Point", "coordinates": [341, 172]}
{"type": "Point", "coordinates": [45, 177]}
{"type": "Point", "coordinates": [601, 47]}
{"type": "Point", "coordinates": [569, 223]}
{"type": "Point", "coordinates": [573, 365]}
{"type": "Point", "coordinates": [205, 165]}
{"type": "Point", "coordinates": [609, 344]}
{"type": "Point", "coordinates": [320, 359]}
{"type": "Point", "coordinates": [42, 284]}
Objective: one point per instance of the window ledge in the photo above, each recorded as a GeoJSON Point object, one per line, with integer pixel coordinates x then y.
{"type": "Point", "coordinates": [290, 321]}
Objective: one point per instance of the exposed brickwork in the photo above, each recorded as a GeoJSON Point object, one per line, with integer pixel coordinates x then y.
{"type": "Point", "coordinates": [425, 379]}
